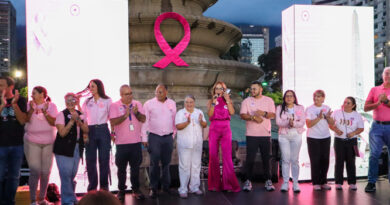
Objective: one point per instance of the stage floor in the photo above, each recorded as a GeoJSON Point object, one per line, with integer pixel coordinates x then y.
{"type": "Point", "coordinates": [260, 196]}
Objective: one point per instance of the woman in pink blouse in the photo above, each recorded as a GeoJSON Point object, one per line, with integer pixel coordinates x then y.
{"type": "Point", "coordinates": [38, 141]}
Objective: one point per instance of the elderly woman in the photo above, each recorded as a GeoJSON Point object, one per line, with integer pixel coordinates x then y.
{"type": "Point", "coordinates": [318, 119]}
{"type": "Point", "coordinates": [68, 146]}
{"type": "Point", "coordinates": [189, 123]}
{"type": "Point", "coordinates": [290, 117]}
{"type": "Point", "coordinates": [220, 108]}
{"type": "Point", "coordinates": [347, 125]}
{"type": "Point", "coordinates": [38, 142]}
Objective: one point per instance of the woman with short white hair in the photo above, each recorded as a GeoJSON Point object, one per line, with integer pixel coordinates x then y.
{"type": "Point", "coordinates": [189, 123]}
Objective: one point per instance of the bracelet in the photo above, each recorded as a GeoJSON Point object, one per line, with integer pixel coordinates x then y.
{"type": "Point", "coordinates": [386, 101]}
{"type": "Point", "coordinates": [213, 104]}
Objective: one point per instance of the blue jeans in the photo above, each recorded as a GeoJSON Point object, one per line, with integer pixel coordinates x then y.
{"type": "Point", "coordinates": [99, 140]}
{"type": "Point", "coordinates": [68, 166]}
{"type": "Point", "coordinates": [379, 136]}
{"type": "Point", "coordinates": [10, 163]}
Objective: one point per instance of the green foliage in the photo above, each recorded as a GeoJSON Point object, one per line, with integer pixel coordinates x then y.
{"type": "Point", "coordinates": [276, 96]}
{"type": "Point", "coordinates": [23, 92]}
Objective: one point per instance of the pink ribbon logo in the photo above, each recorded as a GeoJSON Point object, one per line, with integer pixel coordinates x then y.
{"type": "Point", "coordinates": [172, 55]}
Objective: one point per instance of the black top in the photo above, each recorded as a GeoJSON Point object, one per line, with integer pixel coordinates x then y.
{"type": "Point", "coordinates": [11, 131]}
{"type": "Point", "coordinates": [65, 145]}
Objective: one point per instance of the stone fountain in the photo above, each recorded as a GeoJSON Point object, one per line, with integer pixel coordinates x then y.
{"type": "Point", "coordinates": [210, 38]}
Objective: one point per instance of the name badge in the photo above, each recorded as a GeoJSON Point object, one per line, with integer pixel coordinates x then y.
{"type": "Point", "coordinates": [131, 127]}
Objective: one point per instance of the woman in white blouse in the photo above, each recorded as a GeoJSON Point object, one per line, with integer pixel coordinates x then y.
{"type": "Point", "coordinates": [189, 123]}
{"type": "Point", "coordinates": [348, 124]}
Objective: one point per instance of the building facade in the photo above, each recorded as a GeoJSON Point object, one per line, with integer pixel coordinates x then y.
{"type": "Point", "coordinates": [254, 43]}
{"type": "Point", "coordinates": [7, 36]}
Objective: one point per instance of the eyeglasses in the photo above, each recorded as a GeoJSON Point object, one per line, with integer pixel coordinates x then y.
{"type": "Point", "coordinates": [219, 88]}
{"type": "Point", "coordinates": [71, 100]}
{"type": "Point", "coordinates": [289, 96]}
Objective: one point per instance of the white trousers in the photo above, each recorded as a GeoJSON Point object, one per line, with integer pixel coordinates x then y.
{"type": "Point", "coordinates": [290, 146]}
{"type": "Point", "coordinates": [189, 168]}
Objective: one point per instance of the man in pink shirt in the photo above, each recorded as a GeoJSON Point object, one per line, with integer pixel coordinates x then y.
{"type": "Point", "coordinates": [157, 133]}
{"type": "Point", "coordinates": [378, 100]}
{"type": "Point", "coordinates": [257, 111]}
{"type": "Point", "coordinates": [126, 117]}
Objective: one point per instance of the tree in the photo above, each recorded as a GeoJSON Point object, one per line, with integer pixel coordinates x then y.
{"type": "Point", "coordinates": [271, 63]}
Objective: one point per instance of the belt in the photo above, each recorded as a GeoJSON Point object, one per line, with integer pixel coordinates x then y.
{"type": "Point", "coordinates": [99, 126]}
{"type": "Point", "coordinates": [382, 122]}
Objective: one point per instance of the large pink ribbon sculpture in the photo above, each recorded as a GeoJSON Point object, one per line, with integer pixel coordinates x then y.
{"type": "Point", "coordinates": [172, 55]}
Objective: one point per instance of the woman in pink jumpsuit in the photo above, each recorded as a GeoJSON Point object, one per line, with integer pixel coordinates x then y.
{"type": "Point", "coordinates": [220, 108]}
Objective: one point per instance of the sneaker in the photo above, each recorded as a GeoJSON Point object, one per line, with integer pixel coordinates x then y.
{"type": "Point", "coordinates": [370, 187]}
{"type": "Point", "coordinates": [121, 195]}
{"type": "Point", "coordinates": [183, 195]}
{"type": "Point", "coordinates": [269, 186]}
{"type": "Point", "coordinates": [198, 192]}
{"type": "Point", "coordinates": [326, 187]}
{"type": "Point", "coordinates": [353, 187]}
{"type": "Point", "coordinates": [296, 187]}
{"type": "Point", "coordinates": [44, 202]}
{"type": "Point", "coordinates": [339, 187]}
{"type": "Point", "coordinates": [153, 193]}
{"type": "Point", "coordinates": [247, 186]}
{"type": "Point", "coordinates": [284, 187]}
{"type": "Point", "coordinates": [317, 187]}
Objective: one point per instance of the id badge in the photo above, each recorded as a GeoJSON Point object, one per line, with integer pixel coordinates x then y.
{"type": "Point", "coordinates": [131, 127]}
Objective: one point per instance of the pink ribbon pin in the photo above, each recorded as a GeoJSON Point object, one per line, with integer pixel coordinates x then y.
{"type": "Point", "coordinates": [172, 55]}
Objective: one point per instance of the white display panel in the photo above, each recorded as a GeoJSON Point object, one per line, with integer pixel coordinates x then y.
{"type": "Point", "coordinates": [70, 42]}
{"type": "Point", "coordinates": [329, 48]}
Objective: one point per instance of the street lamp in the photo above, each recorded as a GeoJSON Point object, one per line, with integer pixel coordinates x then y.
{"type": "Point", "coordinates": [18, 74]}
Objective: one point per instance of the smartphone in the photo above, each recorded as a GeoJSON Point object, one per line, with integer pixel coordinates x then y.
{"type": "Point", "coordinates": [228, 91]}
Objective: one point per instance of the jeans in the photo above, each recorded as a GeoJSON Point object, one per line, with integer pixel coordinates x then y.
{"type": "Point", "coordinates": [379, 136]}
{"type": "Point", "coordinates": [11, 158]}
{"type": "Point", "coordinates": [99, 141]}
{"type": "Point", "coordinates": [40, 159]}
{"type": "Point", "coordinates": [290, 147]}
{"type": "Point", "coordinates": [128, 154]}
{"type": "Point", "coordinates": [160, 149]}
{"type": "Point", "coordinates": [319, 150]}
{"type": "Point", "coordinates": [67, 167]}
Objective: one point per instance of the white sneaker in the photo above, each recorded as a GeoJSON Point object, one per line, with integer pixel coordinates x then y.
{"type": "Point", "coordinates": [247, 186]}
{"type": "Point", "coordinates": [326, 187]}
{"type": "Point", "coordinates": [339, 187]}
{"type": "Point", "coordinates": [198, 192]}
{"type": "Point", "coordinates": [296, 187]}
{"type": "Point", "coordinates": [284, 187]}
{"type": "Point", "coordinates": [317, 187]}
{"type": "Point", "coordinates": [269, 186]}
{"type": "Point", "coordinates": [353, 187]}
{"type": "Point", "coordinates": [183, 195]}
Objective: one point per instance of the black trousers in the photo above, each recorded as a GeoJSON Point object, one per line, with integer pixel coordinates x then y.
{"type": "Point", "coordinates": [319, 150]}
{"type": "Point", "coordinates": [128, 154]}
{"type": "Point", "coordinates": [160, 149]}
{"type": "Point", "coordinates": [345, 153]}
{"type": "Point", "coordinates": [252, 146]}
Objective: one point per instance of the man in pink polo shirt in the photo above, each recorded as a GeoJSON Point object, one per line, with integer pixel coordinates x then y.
{"type": "Point", "coordinates": [378, 100]}
{"type": "Point", "coordinates": [157, 133]}
{"type": "Point", "coordinates": [127, 116]}
{"type": "Point", "coordinates": [257, 111]}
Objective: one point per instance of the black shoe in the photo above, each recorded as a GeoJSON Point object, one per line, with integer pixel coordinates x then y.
{"type": "Point", "coordinates": [370, 187]}
{"type": "Point", "coordinates": [121, 195]}
{"type": "Point", "coordinates": [138, 195]}
{"type": "Point", "coordinates": [153, 193]}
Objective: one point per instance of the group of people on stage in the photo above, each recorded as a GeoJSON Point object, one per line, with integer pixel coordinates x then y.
{"type": "Point", "coordinates": [36, 129]}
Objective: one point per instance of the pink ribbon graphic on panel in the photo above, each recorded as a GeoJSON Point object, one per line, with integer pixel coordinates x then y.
{"type": "Point", "coordinates": [172, 55]}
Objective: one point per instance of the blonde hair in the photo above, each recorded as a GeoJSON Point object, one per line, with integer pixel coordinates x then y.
{"type": "Point", "coordinates": [215, 85]}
